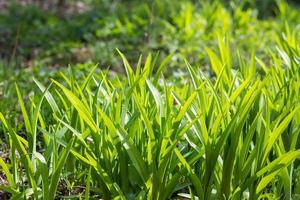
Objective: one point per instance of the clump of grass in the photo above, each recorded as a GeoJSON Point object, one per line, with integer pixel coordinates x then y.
{"type": "Point", "coordinates": [232, 135]}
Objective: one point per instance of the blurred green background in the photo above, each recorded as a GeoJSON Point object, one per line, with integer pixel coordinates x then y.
{"type": "Point", "coordinates": [58, 33]}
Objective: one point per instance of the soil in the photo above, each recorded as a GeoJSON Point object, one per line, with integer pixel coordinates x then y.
{"type": "Point", "coordinates": [3, 194]}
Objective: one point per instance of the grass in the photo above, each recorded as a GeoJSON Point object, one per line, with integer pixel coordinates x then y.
{"type": "Point", "coordinates": [195, 122]}
{"type": "Point", "coordinates": [228, 136]}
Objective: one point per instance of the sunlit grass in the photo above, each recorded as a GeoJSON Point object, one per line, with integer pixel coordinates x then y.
{"type": "Point", "coordinates": [230, 136]}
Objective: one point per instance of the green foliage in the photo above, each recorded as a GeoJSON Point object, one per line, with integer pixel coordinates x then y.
{"type": "Point", "coordinates": [185, 27]}
{"type": "Point", "coordinates": [226, 137]}
{"type": "Point", "coordinates": [214, 115]}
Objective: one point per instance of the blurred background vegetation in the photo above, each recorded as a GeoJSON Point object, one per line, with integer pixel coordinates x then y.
{"type": "Point", "coordinates": [60, 32]}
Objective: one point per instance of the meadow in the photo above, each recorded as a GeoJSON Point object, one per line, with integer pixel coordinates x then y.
{"type": "Point", "coordinates": [150, 100]}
